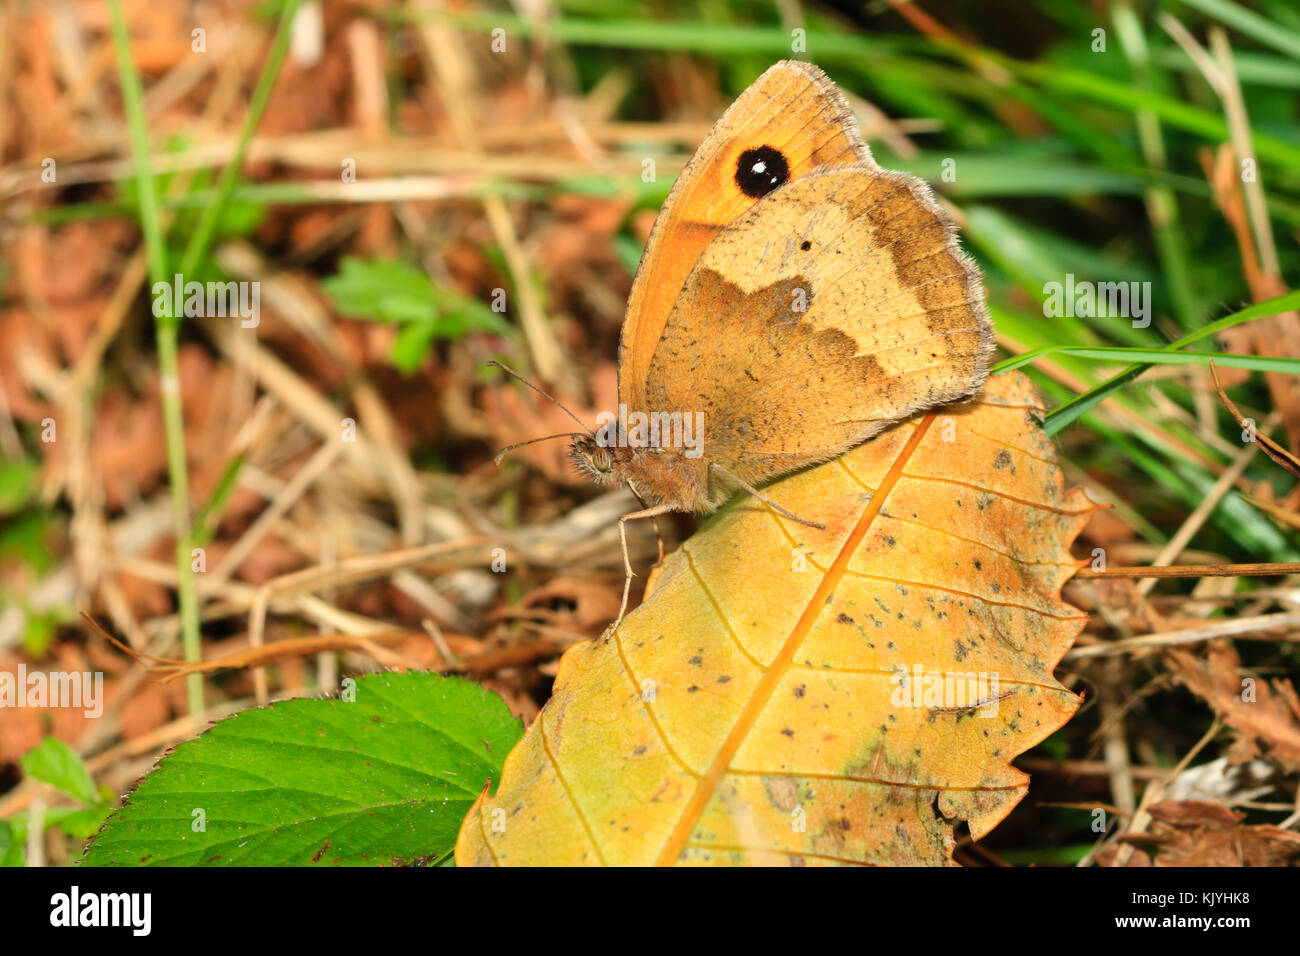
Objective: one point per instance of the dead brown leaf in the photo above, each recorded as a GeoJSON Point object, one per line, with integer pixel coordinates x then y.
{"type": "Point", "coordinates": [1268, 719]}
{"type": "Point", "coordinates": [1203, 833]}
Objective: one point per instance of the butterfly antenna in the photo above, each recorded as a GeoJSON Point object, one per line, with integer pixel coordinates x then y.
{"type": "Point", "coordinates": [557, 404]}
{"type": "Point", "coordinates": [532, 441]}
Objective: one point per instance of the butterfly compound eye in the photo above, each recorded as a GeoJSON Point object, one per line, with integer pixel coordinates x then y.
{"type": "Point", "coordinates": [592, 459]}
{"type": "Point", "coordinates": [760, 170]}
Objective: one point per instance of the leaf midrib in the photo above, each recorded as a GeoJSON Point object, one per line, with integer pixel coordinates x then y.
{"type": "Point", "coordinates": [767, 684]}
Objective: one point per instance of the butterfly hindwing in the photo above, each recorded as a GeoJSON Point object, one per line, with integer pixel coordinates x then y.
{"type": "Point", "coordinates": [833, 307]}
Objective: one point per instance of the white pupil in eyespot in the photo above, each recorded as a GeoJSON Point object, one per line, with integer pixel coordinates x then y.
{"type": "Point", "coordinates": [760, 168]}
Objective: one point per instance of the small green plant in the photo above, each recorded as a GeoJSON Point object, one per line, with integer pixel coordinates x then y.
{"type": "Point", "coordinates": [57, 764]}
{"type": "Point", "coordinates": [397, 292]}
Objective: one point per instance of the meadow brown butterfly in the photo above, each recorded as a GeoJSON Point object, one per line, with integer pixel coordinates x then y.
{"type": "Point", "coordinates": [794, 299]}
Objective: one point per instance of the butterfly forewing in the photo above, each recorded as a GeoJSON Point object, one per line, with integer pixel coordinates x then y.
{"type": "Point", "coordinates": [791, 122]}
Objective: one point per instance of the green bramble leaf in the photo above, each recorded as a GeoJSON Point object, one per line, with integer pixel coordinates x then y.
{"type": "Point", "coordinates": [382, 777]}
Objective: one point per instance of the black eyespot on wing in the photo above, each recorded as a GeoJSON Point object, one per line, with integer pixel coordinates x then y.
{"type": "Point", "coordinates": [805, 245]}
{"type": "Point", "coordinates": [760, 170]}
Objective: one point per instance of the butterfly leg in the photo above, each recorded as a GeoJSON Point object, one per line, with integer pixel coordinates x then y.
{"type": "Point", "coordinates": [654, 520]}
{"type": "Point", "coordinates": [659, 539]}
{"type": "Point", "coordinates": [627, 557]}
{"type": "Point", "coordinates": [714, 466]}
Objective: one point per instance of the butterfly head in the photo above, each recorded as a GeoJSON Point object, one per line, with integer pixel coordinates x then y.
{"type": "Point", "coordinates": [593, 459]}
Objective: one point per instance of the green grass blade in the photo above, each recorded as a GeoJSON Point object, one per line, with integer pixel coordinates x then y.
{"type": "Point", "coordinates": [1072, 409]}
{"type": "Point", "coordinates": [1149, 357]}
{"type": "Point", "coordinates": [1251, 24]}
{"type": "Point", "coordinates": [211, 215]}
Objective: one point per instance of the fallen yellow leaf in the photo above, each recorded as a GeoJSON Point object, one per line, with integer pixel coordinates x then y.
{"type": "Point", "coordinates": [788, 695]}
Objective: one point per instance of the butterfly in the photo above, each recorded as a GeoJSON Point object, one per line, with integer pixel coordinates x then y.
{"type": "Point", "coordinates": [793, 300]}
